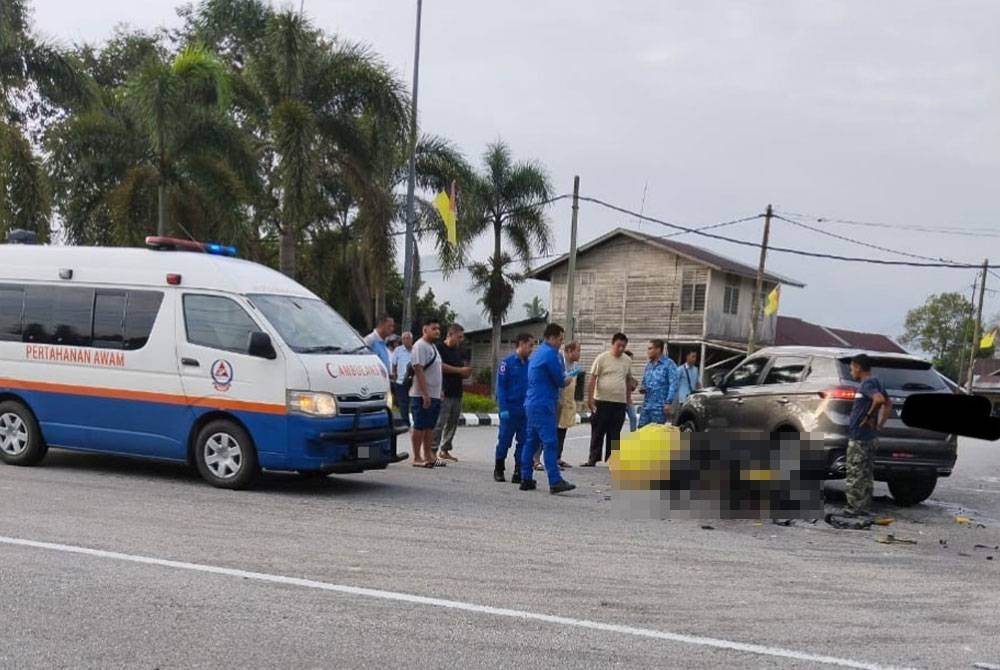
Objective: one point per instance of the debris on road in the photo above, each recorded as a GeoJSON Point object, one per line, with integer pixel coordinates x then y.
{"type": "Point", "coordinates": [892, 539]}
{"type": "Point", "coordinates": [963, 520]}
{"type": "Point", "coordinates": [707, 527]}
{"type": "Point", "coordinates": [848, 523]}
{"type": "Point", "coordinates": [884, 521]}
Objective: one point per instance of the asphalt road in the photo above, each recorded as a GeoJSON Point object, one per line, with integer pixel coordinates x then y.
{"type": "Point", "coordinates": [110, 563]}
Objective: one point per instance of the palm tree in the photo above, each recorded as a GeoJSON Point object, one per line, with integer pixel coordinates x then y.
{"type": "Point", "coordinates": [35, 79]}
{"type": "Point", "coordinates": [180, 107]}
{"type": "Point", "coordinates": [333, 124]}
{"type": "Point", "coordinates": [506, 202]}
{"type": "Point", "coordinates": [325, 111]}
{"type": "Point", "coordinates": [162, 147]}
{"type": "Point", "coordinates": [535, 308]}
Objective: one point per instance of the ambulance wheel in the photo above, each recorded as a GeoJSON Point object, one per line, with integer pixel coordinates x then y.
{"type": "Point", "coordinates": [20, 437]}
{"type": "Point", "coordinates": [225, 455]}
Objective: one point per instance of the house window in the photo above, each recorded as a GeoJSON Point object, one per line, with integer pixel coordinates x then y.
{"type": "Point", "coordinates": [731, 298]}
{"type": "Point", "coordinates": [692, 292]}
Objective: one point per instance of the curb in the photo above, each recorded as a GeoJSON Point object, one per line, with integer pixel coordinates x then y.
{"type": "Point", "coordinates": [480, 420]}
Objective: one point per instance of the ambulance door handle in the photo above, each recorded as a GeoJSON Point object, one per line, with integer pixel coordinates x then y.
{"type": "Point", "coordinates": [190, 362]}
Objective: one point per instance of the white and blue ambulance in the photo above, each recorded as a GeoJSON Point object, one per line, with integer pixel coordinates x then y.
{"type": "Point", "coordinates": [180, 351]}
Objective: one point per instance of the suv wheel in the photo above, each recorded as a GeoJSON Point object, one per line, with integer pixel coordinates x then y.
{"type": "Point", "coordinates": [687, 425]}
{"type": "Point", "coordinates": [910, 490]}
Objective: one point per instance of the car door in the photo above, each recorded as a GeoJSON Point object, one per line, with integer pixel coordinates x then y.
{"type": "Point", "coordinates": [772, 404]}
{"type": "Point", "coordinates": [217, 371]}
{"type": "Point", "coordinates": [727, 410]}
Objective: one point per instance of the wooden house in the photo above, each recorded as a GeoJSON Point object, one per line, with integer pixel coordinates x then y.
{"type": "Point", "coordinates": [649, 286]}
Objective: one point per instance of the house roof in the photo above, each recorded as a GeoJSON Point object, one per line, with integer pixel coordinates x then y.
{"type": "Point", "coordinates": [513, 324]}
{"type": "Point", "coordinates": [693, 253]}
{"type": "Point", "coordinates": [988, 367]}
{"type": "Point", "coordinates": [794, 331]}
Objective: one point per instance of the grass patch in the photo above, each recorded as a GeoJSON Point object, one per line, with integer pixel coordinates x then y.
{"type": "Point", "coordinates": [478, 404]}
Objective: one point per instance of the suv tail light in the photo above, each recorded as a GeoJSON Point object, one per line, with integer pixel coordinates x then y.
{"type": "Point", "coordinates": [839, 393]}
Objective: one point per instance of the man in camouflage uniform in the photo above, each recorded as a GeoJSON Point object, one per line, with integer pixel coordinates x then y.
{"type": "Point", "coordinates": [659, 381]}
{"type": "Point", "coordinates": [871, 410]}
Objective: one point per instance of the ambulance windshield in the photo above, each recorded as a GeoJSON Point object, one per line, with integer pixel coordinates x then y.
{"type": "Point", "coordinates": [309, 326]}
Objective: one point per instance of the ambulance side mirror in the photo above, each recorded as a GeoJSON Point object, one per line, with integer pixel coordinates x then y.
{"type": "Point", "coordinates": [261, 346]}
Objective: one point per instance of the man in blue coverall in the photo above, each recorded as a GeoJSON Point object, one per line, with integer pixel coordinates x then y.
{"type": "Point", "coordinates": [512, 385]}
{"type": "Point", "coordinates": [546, 379]}
{"type": "Point", "coordinates": [659, 381]}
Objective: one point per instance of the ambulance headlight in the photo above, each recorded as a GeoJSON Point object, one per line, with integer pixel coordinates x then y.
{"type": "Point", "coordinates": [312, 404]}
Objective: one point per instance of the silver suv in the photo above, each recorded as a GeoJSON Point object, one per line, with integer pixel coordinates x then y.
{"type": "Point", "coordinates": [809, 390]}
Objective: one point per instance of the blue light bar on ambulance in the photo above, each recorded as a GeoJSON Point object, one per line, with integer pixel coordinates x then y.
{"type": "Point", "coordinates": [220, 250]}
{"type": "Point", "coordinates": [175, 244]}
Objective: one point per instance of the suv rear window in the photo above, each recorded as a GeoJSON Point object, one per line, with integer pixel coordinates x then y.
{"type": "Point", "coordinates": [902, 375]}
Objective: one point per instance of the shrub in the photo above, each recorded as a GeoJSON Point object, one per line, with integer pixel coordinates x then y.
{"type": "Point", "coordinates": [484, 376]}
{"type": "Point", "coordinates": [478, 404]}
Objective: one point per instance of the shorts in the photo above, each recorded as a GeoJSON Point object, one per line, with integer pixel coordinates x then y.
{"type": "Point", "coordinates": [425, 418]}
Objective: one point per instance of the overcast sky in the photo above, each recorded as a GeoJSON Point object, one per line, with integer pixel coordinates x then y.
{"type": "Point", "coordinates": [886, 112]}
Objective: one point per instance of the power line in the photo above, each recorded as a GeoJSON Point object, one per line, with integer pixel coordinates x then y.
{"type": "Point", "coordinates": [524, 208]}
{"type": "Point", "coordinates": [945, 230]}
{"type": "Point", "coordinates": [786, 250]}
{"type": "Point", "coordinates": [719, 225]}
{"type": "Point", "coordinates": [820, 231]}
{"type": "Point", "coordinates": [554, 255]}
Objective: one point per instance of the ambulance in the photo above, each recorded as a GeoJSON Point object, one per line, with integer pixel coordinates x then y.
{"type": "Point", "coordinates": [180, 351]}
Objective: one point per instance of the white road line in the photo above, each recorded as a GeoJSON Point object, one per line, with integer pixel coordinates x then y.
{"type": "Point", "coordinates": [698, 641]}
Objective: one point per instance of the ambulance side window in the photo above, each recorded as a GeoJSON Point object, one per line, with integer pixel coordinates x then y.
{"type": "Point", "coordinates": [11, 306]}
{"type": "Point", "coordinates": [140, 315]}
{"type": "Point", "coordinates": [58, 315]}
{"type": "Point", "coordinates": [109, 319]}
{"type": "Point", "coordinates": [218, 323]}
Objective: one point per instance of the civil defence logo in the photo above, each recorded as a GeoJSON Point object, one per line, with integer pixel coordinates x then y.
{"type": "Point", "coordinates": [222, 375]}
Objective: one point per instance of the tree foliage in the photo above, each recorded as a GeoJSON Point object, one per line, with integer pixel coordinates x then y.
{"type": "Point", "coordinates": [35, 79]}
{"type": "Point", "coordinates": [248, 126]}
{"type": "Point", "coordinates": [535, 309]}
{"type": "Point", "coordinates": [942, 328]}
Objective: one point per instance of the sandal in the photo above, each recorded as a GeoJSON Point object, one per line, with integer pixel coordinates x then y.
{"type": "Point", "coordinates": [429, 465]}
{"type": "Point", "coordinates": [539, 467]}
{"type": "Point", "coordinates": [437, 464]}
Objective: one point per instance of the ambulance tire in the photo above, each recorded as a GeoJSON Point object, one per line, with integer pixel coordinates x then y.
{"type": "Point", "coordinates": [21, 440]}
{"type": "Point", "coordinates": [225, 455]}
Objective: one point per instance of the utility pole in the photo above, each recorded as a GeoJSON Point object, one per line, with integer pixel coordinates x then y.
{"type": "Point", "coordinates": [571, 269]}
{"type": "Point", "coordinates": [755, 303]}
{"type": "Point", "coordinates": [410, 245]}
{"type": "Point", "coordinates": [977, 330]}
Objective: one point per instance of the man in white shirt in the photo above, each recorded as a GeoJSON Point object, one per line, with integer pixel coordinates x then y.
{"type": "Point", "coordinates": [425, 394]}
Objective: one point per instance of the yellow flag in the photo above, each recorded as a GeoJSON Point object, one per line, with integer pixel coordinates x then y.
{"type": "Point", "coordinates": [772, 301]}
{"type": "Point", "coordinates": [988, 339]}
{"type": "Point", "coordinates": [446, 208]}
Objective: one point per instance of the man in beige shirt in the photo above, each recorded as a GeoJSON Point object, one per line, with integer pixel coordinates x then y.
{"type": "Point", "coordinates": [607, 398]}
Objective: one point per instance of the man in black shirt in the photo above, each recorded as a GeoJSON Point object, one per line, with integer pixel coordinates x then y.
{"type": "Point", "coordinates": [455, 371]}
